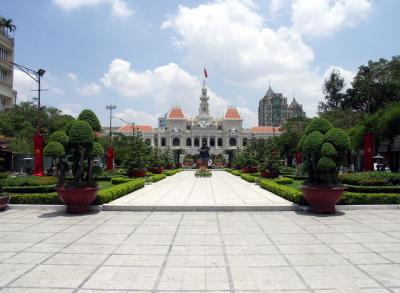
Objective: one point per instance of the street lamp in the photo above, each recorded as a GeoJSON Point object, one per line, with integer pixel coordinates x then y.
{"type": "Point", "coordinates": [110, 151]}
{"type": "Point", "coordinates": [38, 139]}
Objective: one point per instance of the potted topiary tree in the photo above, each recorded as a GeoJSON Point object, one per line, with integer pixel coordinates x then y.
{"type": "Point", "coordinates": [269, 168]}
{"type": "Point", "coordinates": [79, 191]}
{"type": "Point", "coordinates": [249, 165]}
{"type": "Point", "coordinates": [156, 161]}
{"type": "Point", "coordinates": [137, 157]}
{"type": "Point", "coordinates": [323, 148]}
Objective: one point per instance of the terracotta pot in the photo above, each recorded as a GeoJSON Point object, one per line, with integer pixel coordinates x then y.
{"type": "Point", "coordinates": [136, 173]}
{"type": "Point", "coordinates": [202, 164]}
{"type": "Point", "coordinates": [269, 174]}
{"type": "Point", "coordinates": [77, 200]}
{"type": "Point", "coordinates": [156, 170]}
{"type": "Point", "coordinates": [322, 199]}
{"type": "Point", "coordinates": [250, 169]}
{"type": "Point", "coordinates": [4, 199]}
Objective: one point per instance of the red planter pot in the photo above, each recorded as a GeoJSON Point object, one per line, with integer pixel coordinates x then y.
{"type": "Point", "coordinates": [269, 174]}
{"type": "Point", "coordinates": [77, 200]}
{"type": "Point", "coordinates": [322, 199]}
{"type": "Point", "coordinates": [4, 199]}
{"type": "Point", "coordinates": [248, 169]}
{"type": "Point", "coordinates": [156, 170]}
{"type": "Point", "coordinates": [137, 173]}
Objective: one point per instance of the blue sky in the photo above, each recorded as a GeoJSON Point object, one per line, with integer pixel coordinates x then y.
{"type": "Point", "coordinates": [145, 56]}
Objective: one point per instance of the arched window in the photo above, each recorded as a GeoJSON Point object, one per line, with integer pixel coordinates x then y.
{"type": "Point", "coordinates": [232, 141]}
{"type": "Point", "coordinates": [189, 142]}
{"type": "Point", "coordinates": [220, 142]}
{"type": "Point", "coordinates": [204, 141]}
{"type": "Point", "coordinates": [212, 142]}
{"type": "Point", "coordinates": [196, 142]}
{"type": "Point", "coordinates": [176, 141]}
{"type": "Point", "coordinates": [163, 141]}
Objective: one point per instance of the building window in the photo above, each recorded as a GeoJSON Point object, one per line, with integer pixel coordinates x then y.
{"type": "Point", "coordinates": [163, 141]}
{"type": "Point", "coordinates": [204, 141]}
{"type": "Point", "coordinates": [3, 54]}
{"type": "Point", "coordinates": [176, 141]}
{"type": "Point", "coordinates": [219, 127]}
{"type": "Point", "coordinates": [196, 142]}
{"type": "Point", "coordinates": [3, 103]}
{"type": "Point", "coordinates": [232, 141]}
{"type": "Point", "coordinates": [244, 141]}
{"type": "Point", "coordinates": [220, 142]}
{"type": "Point", "coordinates": [156, 142]}
{"type": "Point", "coordinates": [189, 142]}
{"type": "Point", "coordinates": [212, 142]}
{"type": "Point", "coordinates": [188, 127]}
{"type": "Point", "coordinates": [3, 75]}
{"type": "Point", "coordinates": [147, 141]}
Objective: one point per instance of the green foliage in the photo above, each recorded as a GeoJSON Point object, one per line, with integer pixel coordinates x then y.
{"type": "Point", "coordinates": [132, 151]}
{"type": "Point", "coordinates": [59, 136]}
{"type": "Point", "coordinates": [119, 180]}
{"type": "Point", "coordinates": [328, 150]}
{"type": "Point", "coordinates": [202, 173]}
{"type": "Point", "coordinates": [81, 133]}
{"type": "Point", "coordinates": [97, 150]}
{"type": "Point", "coordinates": [343, 119]}
{"type": "Point", "coordinates": [157, 177]}
{"type": "Point", "coordinates": [235, 172]}
{"type": "Point", "coordinates": [300, 144]}
{"type": "Point", "coordinates": [293, 130]}
{"type": "Point", "coordinates": [318, 124]}
{"type": "Point", "coordinates": [373, 189]}
{"type": "Point", "coordinates": [326, 163]}
{"type": "Point", "coordinates": [283, 181]}
{"type": "Point", "coordinates": [90, 117]}
{"type": "Point", "coordinates": [313, 142]}
{"type": "Point", "coordinates": [248, 177]}
{"type": "Point", "coordinates": [156, 159]}
{"type": "Point", "coordinates": [371, 178]}
{"type": "Point", "coordinates": [30, 189]}
{"type": "Point", "coordinates": [110, 194]}
{"type": "Point", "coordinates": [289, 193]}
{"type": "Point", "coordinates": [54, 149]}
{"type": "Point", "coordinates": [332, 89]}
{"type": "Point", "coordinates": [351, 198]}
{"type": "Point", "coordinates": [338, 138]}
{"type": "Point", "coordinates": [171, 172]}
{"type": "Point", "coordinates": [35, 198]}
{"type": "Point", "coordinates": [29, 181]}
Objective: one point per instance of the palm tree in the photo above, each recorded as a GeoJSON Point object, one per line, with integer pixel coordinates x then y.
{"type": "Point", "coordinates": [8, 24]}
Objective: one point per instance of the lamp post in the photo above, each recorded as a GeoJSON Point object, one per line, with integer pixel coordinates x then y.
{"type": "Point", "coordinates": [38, 138]}
{"type": "Point", "coordinates": [110, 151]}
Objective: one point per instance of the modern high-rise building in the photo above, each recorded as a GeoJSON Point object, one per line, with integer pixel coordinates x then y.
{"type": "Point", "coordinates": [8, 96]}
{"type": "Point", "coordinates": [273, 109]}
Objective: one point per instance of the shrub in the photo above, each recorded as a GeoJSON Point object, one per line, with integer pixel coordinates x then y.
{"type": "Point", "coordinates": [30, 189]}
{"type": "Point", "coordinates": [338, 138]}
{"type": "Point", "coordinates": [313, 142]}
{"type": "Point", "coordinates": [371, 178]}
{"type": "Point", "coordinates": [248, 177]}
{"type": "Point", "coordinates": [321, 125]}
{"type": "Point", "coordinates": [119, 180]}
{"type": "Point", "coordinates": [369, 198]}
{"type": "Point", "coordinates": [373, 189]}
{"type": "Point", "coordinates": [284, 181]}
{"type": "Point", "coordinates": [35, 198]}
{"type": "Point", "coordinates": [202, 173]}
{"type": "Point", "coordinates": [171, 172]}
{"type": "Point", "coordinates": [236, 172]}
{"type": "Point", "coordinates": [328, 150]}
{"type": "Point", "coordinates": [289, 193]}
{"type": "Point", "coordinates": [81, 133]}
{"type": "Point", "coordinates": [110, 194]}
{"type": "Point", "coordinates": [59, 136]}
{"type": "Point", "coordinates": [157, 177]}
{"type": "Point", "coordinates": [90, 117]}
{"type": "Point", "coordinates": [29, 181]}
{"type": "Point", "coordinates": [54, 149]}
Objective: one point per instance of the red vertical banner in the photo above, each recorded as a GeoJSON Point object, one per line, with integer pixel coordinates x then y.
{"type": "Point", "coordinates": [368, 151]}
{"type": "Point", "coordinates": [110, 158]}
{"type": "Point", "coordinates": [38, 155]}
{"type": "Point", "coordinates": [298, 158]}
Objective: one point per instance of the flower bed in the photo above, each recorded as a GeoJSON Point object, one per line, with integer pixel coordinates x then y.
{"type": "Point", "coordinates": [203, 173]}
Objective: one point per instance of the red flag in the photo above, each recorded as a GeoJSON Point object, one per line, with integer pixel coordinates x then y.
{"type": "Point", "coordinates": [205, 73]}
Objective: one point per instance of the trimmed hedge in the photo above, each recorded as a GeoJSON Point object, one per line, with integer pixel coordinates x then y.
{"type": "Point", "coordinates": [110, 194]}
{"type": "Point", "coordinates": [157, 177]}
{"type": "Point", "coordinates": [373, 189]}
{"type": "Point", "coordinates": [29, 181]}
{"type": "Point", "coordinates": [119, 180]}
{"type": "Point", "coordinates": [35, 198]}
{"type": "Point", "coordinates": [30, 189]}
{"type": "Point", "coordinates": [171, 172]}
{"type": "Point", "coordinates": [235, 172]}
{"type": "Point", "coordinates": [248, 177]}
{"type": "Point", "coordinates": [284, 180]}
{"type": "Point", "coordinates": [289, 193]}
{"type": "Point", "coordinates": [349, 198]}
{"type": "Point", "coordinates": [371, 178]}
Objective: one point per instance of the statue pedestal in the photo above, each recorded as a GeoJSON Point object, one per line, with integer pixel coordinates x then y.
{"type": "Point", "coordinates": [201, 163]}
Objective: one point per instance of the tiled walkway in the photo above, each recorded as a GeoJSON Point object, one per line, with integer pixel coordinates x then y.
{"type": "Point", "coordinates": [47, 251]}
{"type": "Point", "coordinates": [185, 190]}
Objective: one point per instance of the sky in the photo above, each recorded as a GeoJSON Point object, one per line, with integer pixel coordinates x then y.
{"type": "Point", "coordinates": [146, 56]}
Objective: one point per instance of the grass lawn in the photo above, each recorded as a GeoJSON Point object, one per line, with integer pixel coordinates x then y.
{"type": "Point", "coordinates": [105, 184]}
{"type": "Point", "coordinates": [296, 184]}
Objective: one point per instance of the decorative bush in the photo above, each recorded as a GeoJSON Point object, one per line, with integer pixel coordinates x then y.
{"type": "Point", "coordinates": [60, 136]}
{"type": "Point", "coordinates": [90, 117]}
{"type": "Point", "coordinates": [171, 172]}
{"type": "Point", "coordinates": [54, 149]}
{"type": "Point", "coordinates": [203, 173]}
{"type": "Point", "coordinates": [28, 181]}
{"type": "Point", "coordinates": [371, 178]}
{"type": "Point", "coordinates": [373, 189]}
{"type": "Point", "coordinates": [289, 193]}
{"type": "Point", "coordinates": [119, 180]}
{"type": "Point", "coordinates": [369, 198]}
{"type": "Point", "coordinates": [323, 148]}
{"type": "Point", "coordinates": [284, 180]}
{"type": "Point", "coordinates": [30, 189]}
{"type": "Point", "coordinates": [110, 194]}
{"type": "Point", "coordinates": [157, 177]}
{"type": "Point", "coordinates": [248, 177]}
{"type": "Point", "coordinates": [35, 198]}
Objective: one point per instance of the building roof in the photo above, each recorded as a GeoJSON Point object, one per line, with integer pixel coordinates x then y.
{"type": "Point", "coordinates": [270, 92]}
{"type": "Point", "coordinates": [176, 113]}
{"type": "Point", "coordinates": [232, 113]}
{"type": "Point", "coordinates": [265, 129]}
{"type": "Point", "coordinates": [294, 104]}
{"type": "Point", "coordinates": [141, 128]}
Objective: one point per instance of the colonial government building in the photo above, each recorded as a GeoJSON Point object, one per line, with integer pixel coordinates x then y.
{"type": "Point", "coordinates": [177, 131]}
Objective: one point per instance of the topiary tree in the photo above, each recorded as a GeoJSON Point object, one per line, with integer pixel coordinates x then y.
{"type": "Point", "coordinates": [323, 148]}
{"type": "Point", "coordinates": [59, 136]}
{"type": "Point", "coordinates": [90, 117]}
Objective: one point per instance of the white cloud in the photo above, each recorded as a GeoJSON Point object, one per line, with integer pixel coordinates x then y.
{"type": "Point", "coordinates": [72, 76]}
{"type": "Point", "coordinates": [90, 89]}
{"type": "Point", "coordinates": [323, 17]}
{"type": "Point", "coordinates": [346, 74]}
{"type": "Point", "coordinates": [24, 85]}
{"type": "Point", "coordinates": [137, 117]}
{"type": "Point", "coordinates": [118, 7]}
{"type": "Point", "coordinates": [71, 109]}
{"type": "Point", "coordinates": [275, 6]}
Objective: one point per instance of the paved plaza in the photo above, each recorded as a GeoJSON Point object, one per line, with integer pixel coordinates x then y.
{"type": "Point", "coordinates": [49, 251]}
{"type": "Point", "coordinates": [184, 191]}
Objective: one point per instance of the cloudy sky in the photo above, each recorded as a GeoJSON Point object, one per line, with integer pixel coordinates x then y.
{"type": "Point", "coordinates": [145, 56]}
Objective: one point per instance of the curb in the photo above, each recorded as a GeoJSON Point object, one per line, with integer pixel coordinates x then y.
{"type": "Point", "coordinates": [97, 208]}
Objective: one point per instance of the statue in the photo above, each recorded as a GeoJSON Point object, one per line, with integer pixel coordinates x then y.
{"type": "Point", "coordinates": [204, 155]}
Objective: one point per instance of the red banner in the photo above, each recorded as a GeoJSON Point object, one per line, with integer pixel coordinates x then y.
{"type": "Point", "coordinates": [368, 151]}
{"type": "Point", "coordinates": [38, 154]}
{"type": "Point", "coordinates": [110, 158]}
{"type": "Point", "coordinates": [298, 158]}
